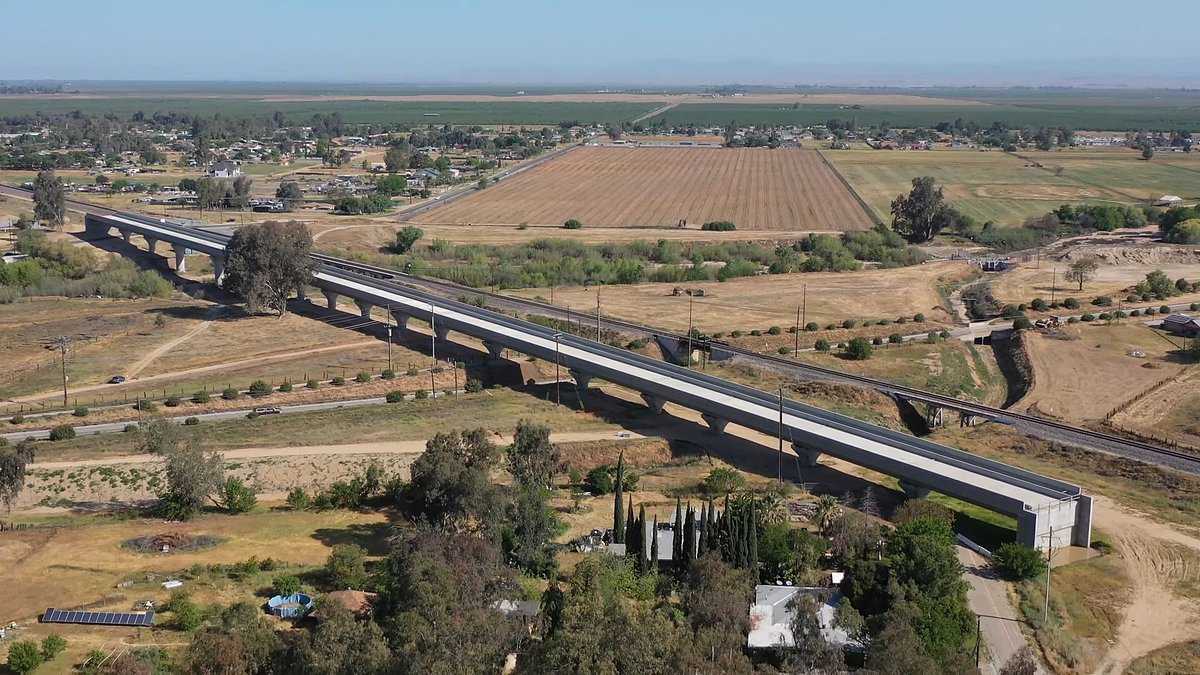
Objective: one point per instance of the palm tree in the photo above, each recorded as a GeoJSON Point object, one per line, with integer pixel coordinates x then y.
{"type": "Point", "coordinates": [826, 512]}
{"type": "Point", "coordinates": [774, 508]}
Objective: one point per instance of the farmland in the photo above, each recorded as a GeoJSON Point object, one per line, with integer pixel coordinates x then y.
{"type": "Point", "coordinates": [656, 187]}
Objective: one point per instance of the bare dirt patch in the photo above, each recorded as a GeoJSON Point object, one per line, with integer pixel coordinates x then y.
{"type": "Point", "coordinates": [757, 189]}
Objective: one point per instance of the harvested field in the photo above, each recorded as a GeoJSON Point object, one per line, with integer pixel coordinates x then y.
{"type": "Point", "coordinates": [1090, 372]}
{"type": "Point", "coordinates": [757, 189]}
{"type": "Point", "coordinates": [751, 303]}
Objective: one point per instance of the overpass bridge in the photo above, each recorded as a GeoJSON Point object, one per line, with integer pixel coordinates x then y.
{"type": "Point", "coordinates": [1047, 511]}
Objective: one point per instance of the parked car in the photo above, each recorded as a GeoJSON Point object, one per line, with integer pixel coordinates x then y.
{"type": "Point", "coordinates": [267, 410]}
{"type": "Point", "coordinates": [116, 379]}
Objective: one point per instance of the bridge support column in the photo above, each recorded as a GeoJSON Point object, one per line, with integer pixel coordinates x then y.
{"type": "Point", "coordinates": [331, 299]}
{"type": "Point", "coordinates": [933, 417]}
{"type": "Point", "coordinates": [180, 258]}
{"type": "Point", "coordinates": [151, 244]}
{"type": "Point", "coordinates": [715, 424]}
{"type": "Point", "coordinates": [654, 403]}
{"type": "Point", "coordinates": [967, 420]}
{"type": "Point", "coordinates": [401, 320]}
{"type": "Point", "coordinates": [914, 491]}
{"type": "Point", "coordinates": [494, 350]}
{"type": "Point", "coordinates": [808, 456]}
{"type": "Point", "coordinates": [581, 378]}
{"type": "Point", "coordinates": [218, 265]}
{"type": "Point", "coordinates": [127, 235]}
{"type": "Point", "coordinates": [441, 333]}
{"type": "Point", "coordinates": [364, 308]}
{"type": "Point", "coordinates": [301, 293]}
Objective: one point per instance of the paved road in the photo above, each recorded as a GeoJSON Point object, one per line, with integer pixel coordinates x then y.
{"type": "Point", "coordinates": [988, 597]}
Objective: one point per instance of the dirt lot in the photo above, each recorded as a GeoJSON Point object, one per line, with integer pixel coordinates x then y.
{"type": "Point", "coordinates": [1171, 410]}
{"type": "Point", "coordinates": [1083, 377]}
{"type": "Point", "coordinates": [757, 189]}
{"type": "Point", "coordinates": [750, 303]}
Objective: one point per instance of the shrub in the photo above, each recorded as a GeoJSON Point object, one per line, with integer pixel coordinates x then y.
{"type": "Point", "coordinates": [1119, 314]}
{"type": "Point", "coordinates": [849, 323]}
{"type": "Point", "coordinates": [24, 656]}
{"type": "Point", "coordinates": [412, 371]}
{"type": "Point", "coordinates": [1071, 303]}
{"type": "Point", "coordinates": [362, 378]}
{"type": "Point", "coordinates": [130, 429]}
{"type": "Point", "coordinates": [338, 381]}
{"type": "Point", "coordinates": [933, 338]}
{"type": "Point", "coordinates": [16, 419]}
{"type": "Point", "coordinates": [1018, 562]}
{"type": "Point", "coordinates": [822, 345]}
{"type": "Point", "coordinates": [859, 349]}
{"type": "Point", "coordinates": [812, 327]}
{"type": "Point", "coordinates": [285, 387]}
{"type": "Point", "coordinates": [785, 350]}
{"type": "Point", "coordinates": [756, 333]}
{"type": "Point", "coordinates": [236, 497]}
{"type": "Point", "coordinates": [572, 224]}
{"type": "Point", "coordinates": [80, 412]}
{"type": "Point", "coordinates": [1022, 323]}
{"type": "Point", "coordinates": [473, 386]}
{"type": "Point", "coordinates": [312, 384]}
{"type": "Point", "coordinates": [877, 341]}
{"type": "Point", "coordinates": [919, 317]}
{"type": "Point", "coordinates": [192, 421]}
{"type": "Point", "coordinates": [1073, 319]}
{"type": "Point", "coordinates": [718, 226]}
{"type": "Point", "coordinates": [1102, 301]}
{"type": "Point", "coordinates": [1038, 304]}
{"type": "Point", "coordinates": [187, 613]}
{"type": "Point", "coordinates": [896, 338]}
{"type": "Point", "coordinates": [298, 500]}
{"type": "Point", "coordinates": [172, 402]}
{"type": "Point", "coordinates": [259, 389]}
{"type": "Point", "coordinates": [395, 396]}
{"type": "Point", "coordinates": [718, 335]}
{"type": "Point", "coordinates": [231, 394]}
{"type": "Point", "coordinates": [775, 330]}
{"type": "Point", "coordinates": [599, 481]}
{"type": "Point", "coordinates": [1022, 307]}
{"type": "Point", "coordinates": [252, 415]}
{"type": "Point", "coordinates": [902, 319]}
{"type": "Point", "coordinates": [1195, 306]}
{"type": "Point", "coordinates": [388, 374]}
{"type": "Point", "coordinates": [945, 334]}
{"type": "Point", "coordinates": [883, 322]}
{"type": "Point", "coordinates": [62, 432]}
{"type": "Point", "coordinates": [145, 405]}
{"type": "Point", "coordinates": [1164, 310]}
{"type": "Point", "coordinates": [1105, 316]}
{"type": "Point", "coordinates": [286, 584]}
{"type": "Point", "coordinates": [736, 334]}
{"type": "Point", "coordinates": [720, 482]}
{"type": "Point", "coordinates": [201, 397]}
{"type": "Point", "coordinates": [1149, 311]}
{"type": "Point", "coordinates": [1133, 298]}
{"type": "Point", "coordinates": [54, 644]}
{"type": "Point", "coordinates": [420, 395]}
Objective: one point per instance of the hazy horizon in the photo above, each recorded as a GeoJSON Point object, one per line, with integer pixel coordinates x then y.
{"type": "Point", "coordinates": [537, 42]}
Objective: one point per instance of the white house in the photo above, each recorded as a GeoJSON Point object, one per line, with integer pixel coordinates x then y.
{"type": "Point", "coordinates": [773, 612]}
{"type": "Point", "coordinates": [1168, 200]}
{"type": "Point", "coordinates": [224, 169]}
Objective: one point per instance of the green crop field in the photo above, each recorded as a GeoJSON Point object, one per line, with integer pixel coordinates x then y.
{"type": "Point", "coordinates": [1079, 109]}
{"type": "Point", "coordinates": [355, 112]}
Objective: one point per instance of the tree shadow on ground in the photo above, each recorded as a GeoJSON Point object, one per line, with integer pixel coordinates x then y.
{"type": "Point", "coordinates": [372, 537]}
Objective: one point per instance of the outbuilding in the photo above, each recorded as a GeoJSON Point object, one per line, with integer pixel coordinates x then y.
{"type": "Point", "coordinates": [1183, 325]}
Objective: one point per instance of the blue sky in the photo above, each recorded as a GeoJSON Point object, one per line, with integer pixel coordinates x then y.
{"type": "Point", "coordinates": [651, 41]}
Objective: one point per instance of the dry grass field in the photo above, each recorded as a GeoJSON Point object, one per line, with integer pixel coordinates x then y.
{"type": "Point", "coordinates": [757, 189]}
{"type": "Point", "coordinates": [750, 303]}
{"type": "Point", "coordinates": [1083, 376]}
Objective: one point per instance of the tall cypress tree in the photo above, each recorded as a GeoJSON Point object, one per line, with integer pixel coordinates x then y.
{"type": "Point", "coordinates": [702, 538]}
{"type": "Point", "coordinates": [677, 534]}
{"type": "Point", "coordinates": [713, 538]}
{"type": "Point", "coordinates": [752, 542]}
{"type": "Point", "coordinates": [640, 546]}
{"type": "Point", "coordinates": [630, 523]}
{"type": "Point", "coordinates": [654, 546]}
{"type": "Point", "coordinates": [728, 535]}
{"type": "Point", "coordinates": [689, 539]}
{"type": "Point", "coordinates": [619, 502]}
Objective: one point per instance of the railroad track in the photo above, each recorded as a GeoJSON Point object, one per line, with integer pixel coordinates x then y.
{"type": "Point", "coordinates": [1037, 426]}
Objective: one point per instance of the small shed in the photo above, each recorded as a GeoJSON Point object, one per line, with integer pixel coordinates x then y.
{"type": "Point", "coordinates": [1183, 325]}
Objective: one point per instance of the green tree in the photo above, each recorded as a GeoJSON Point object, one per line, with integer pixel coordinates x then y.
{"type": "Point", "coordinates": [53, 645]}
{"type": "Point", "coordinates": [265, 263]}
{"type": "Point", "coordinates": [290, 193]}
{"type": "Point", "coordinates": [187, 614]}
{"type": "Point", "coordinates": [450, 489]}
{"type": "Point", "coordinates": [397, 158]}
{"type": "Point", "coordinates": [406, 238]}
{"type": "Point", "coordinates": [923, 212]}
{"type": "Point", "coordinates": [236, 497]}
{"type": "Point", "coordinates": [534, 523]}
{"type": "Point", "coordinates": [532, 458]}
{"type": "Point", "coordinates": [859, 349]}
{"type": "Point", "coordinates": [286, 584]}
{"type": "Point", "coordinates": [1083, 269]}
{"type": "Point", "coordinates": [340, 645]}
{"type": "Point", "coordinates": [599, 481]}
{"type": "Point", "coordinates": [49, 199]}
{"type": "Point", "coordinates": [14, 461]}
{"type": "Point", "coordinates": [346, 566]}
{"type": "Point", "coordinates": [1160, 284]}
{"type": "Point", "coordinates": [722, 481]}
{"type": "Point", "coordinates": [192, 476]}
{"type": "Point", "coordinates": [1148, 152]}
{"type": "Point", "coordinates": [24, 656]}
{"type": "Point", "coordinates": [1018, 562]}
{"type": "Point", "coordinates": [391, 185]}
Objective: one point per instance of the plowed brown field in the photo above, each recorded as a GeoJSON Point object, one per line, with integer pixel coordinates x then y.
{"type": "Point", "coordinates": [755, 188]}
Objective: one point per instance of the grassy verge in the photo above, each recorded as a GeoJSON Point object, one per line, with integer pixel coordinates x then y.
{"type": "Point", "coordinates": [498, 410]}
{"type": "Point", "coordinates": [1086, 601]}
{"type": "Point", "coordinates": [1183, 657]}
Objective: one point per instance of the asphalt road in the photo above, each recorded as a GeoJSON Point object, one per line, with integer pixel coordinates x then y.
{"type": "Point", "coordinates": [998, 623]}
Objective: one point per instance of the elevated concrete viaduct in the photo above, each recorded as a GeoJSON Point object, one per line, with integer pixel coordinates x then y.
{"type": "Point", "coordinates": [1047, 511]}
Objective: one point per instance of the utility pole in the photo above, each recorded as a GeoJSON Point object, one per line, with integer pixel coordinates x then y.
{"type": "Point", "coordinates": [691, 300]}
{"type": "Point", "coordinates": [432, 348]}
{"type": "Point", "coordinates": [796, 348]}
{"type": "Point", "coordinates": [1053, 282]}
{"type": "Point", "coordinates": [389, 338]}
{"type": "Point", "coordinates": [598, 313]}
{"type": "Point", "coordinates": [779, 457]}
{"type": "Point", "coordinates": [63, 343]}
{"type": "Point", "coordinates": [557, 377]}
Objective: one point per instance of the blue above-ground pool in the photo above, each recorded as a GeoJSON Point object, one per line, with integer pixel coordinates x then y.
{"type": "Point", "coordinates": [291, 606]}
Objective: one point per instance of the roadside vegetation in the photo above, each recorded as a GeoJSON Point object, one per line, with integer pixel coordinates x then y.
{"type": "Point", "coordinates": [55, 267]}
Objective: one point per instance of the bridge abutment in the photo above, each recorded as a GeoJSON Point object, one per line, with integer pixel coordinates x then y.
{"type": "Point", "coordinates": [654, 403]}
{"type": "Point", "coordinates": [582, 379]}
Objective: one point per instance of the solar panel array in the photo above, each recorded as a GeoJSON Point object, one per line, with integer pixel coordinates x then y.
{"type": "Point", "coordinates": [98, 618]}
